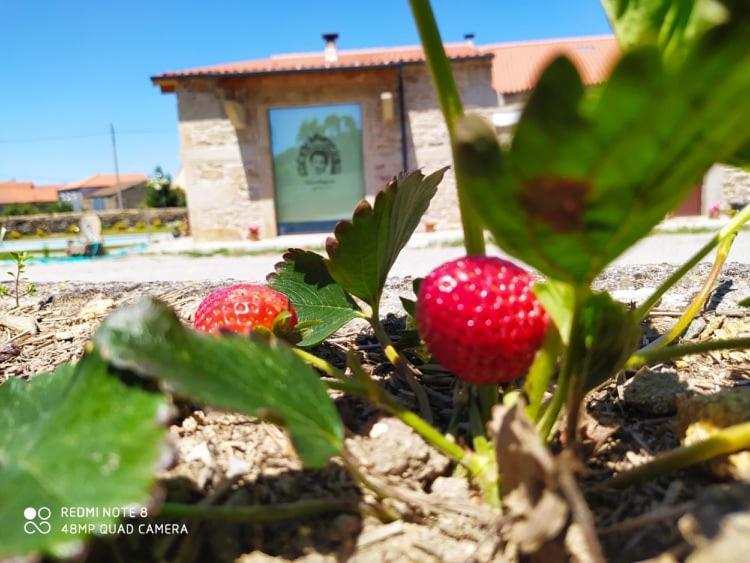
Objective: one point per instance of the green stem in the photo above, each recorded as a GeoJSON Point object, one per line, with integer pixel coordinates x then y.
{"type": "Point", "coordinates": [450, 103]}
{"type": "Point", "coordinates": [402, 365]}
{"type": "Point", "coordinates": [728, 230]}
{"type": "Point", "coordinates": [726, 441]}
{"type": "Point", "coordinates": [642, 357]}
{"type": "Point", "coordinates": [566, 380]}
{"type": "Point", "coordinates": [487, 396]}
{"type": "Point", "coordinates": [540, 373]}
{"type": "Point", "coordinates": [266, 513]}
{"type": "Point", "coordinates": [698, 301]}
{"type": "Point", "coordinates": [321, 364]}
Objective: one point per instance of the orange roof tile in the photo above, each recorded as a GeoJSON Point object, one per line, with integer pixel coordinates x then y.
{"type": "Point", "coordinates": [346, 60]}
{"type": "Point", "coordinates": [101, 181]}
{"type": "Point", "coordinates": [517, 66]}
{"type": "Point", "coordinates": [26, 192]}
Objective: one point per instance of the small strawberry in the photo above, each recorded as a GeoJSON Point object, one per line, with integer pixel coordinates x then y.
{"type": "Point", "coordinates": [480, 319]}
{"type": "Point", "coordinates": [241, 308]}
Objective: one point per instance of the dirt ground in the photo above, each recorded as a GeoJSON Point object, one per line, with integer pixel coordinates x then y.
{"type": "Point", "coordinates": [227, 459]}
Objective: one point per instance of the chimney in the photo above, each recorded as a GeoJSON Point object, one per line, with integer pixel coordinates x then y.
{"type": "Point", "coordinates": [469, 39]}
{"type": "Point", "coordinates": [331, 56]}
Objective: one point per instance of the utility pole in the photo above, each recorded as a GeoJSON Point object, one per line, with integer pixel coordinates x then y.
{"type": "Point", "coordinates": [117, 166]}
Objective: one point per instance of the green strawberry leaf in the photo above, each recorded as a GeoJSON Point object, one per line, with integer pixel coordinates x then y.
{"type": "Point", "coordinates": [252, 376]}
{"type": "Point", "coordinates": [75, 437]}
{"type": "Point", "coordinates": [588, 176]}
{"type": "Point", "coordinates": [608, 333]}
{"type": "Point", "coordinates": [671, 25]}
{"type": "Point", "coordinates": [321, 304]}
{"type": "Point", "coordinates": [745, 302]}
{"type": "Point", "coordinates": [363, 250]}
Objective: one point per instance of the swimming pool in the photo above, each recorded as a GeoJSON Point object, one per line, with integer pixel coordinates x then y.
{"type": "Point", "coordinates": [62, 242]}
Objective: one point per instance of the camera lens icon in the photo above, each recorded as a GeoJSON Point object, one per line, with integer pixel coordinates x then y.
{"type": "Point", "coordinates": [36, 520]}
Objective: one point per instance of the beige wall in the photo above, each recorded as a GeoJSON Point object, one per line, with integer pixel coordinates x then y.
{"type": "Point", "coordinates": [227, 170]}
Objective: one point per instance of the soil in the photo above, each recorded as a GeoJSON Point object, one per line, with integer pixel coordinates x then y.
{"type": "Point", "coordinates": [223, 458]}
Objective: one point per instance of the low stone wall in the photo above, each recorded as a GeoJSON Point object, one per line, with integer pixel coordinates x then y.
{"type": "Point", "coordinates": [62, 222]}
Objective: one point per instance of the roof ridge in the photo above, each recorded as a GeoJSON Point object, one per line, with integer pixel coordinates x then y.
{"type": "Point", "coordinates": [547, 41]}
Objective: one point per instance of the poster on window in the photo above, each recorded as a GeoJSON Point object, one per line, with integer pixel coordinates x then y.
{"type": "Point", "coordinates": [317, 165]}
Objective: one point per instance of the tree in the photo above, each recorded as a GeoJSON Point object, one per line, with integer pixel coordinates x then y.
{"type": "Point", "coordinates": [161, 193]}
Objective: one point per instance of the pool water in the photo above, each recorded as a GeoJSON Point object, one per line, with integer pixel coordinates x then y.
{"type": "Point", "coordinates": [62, 242]}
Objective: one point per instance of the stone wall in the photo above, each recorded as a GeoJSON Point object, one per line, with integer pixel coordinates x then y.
{"type": "Point", "coordinates": [428, 135]}
{"type": "Point", "coordinates": [726, 185]}
{"type": "Point", "coordinates": [735, 187]}
{"type": "Point", "coordinates": [61, 222]}
{"type": "Point", "coordinates": [227, 169]}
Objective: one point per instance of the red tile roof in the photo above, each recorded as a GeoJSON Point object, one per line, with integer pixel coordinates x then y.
{"type": "Point", "coordinates": [106, 181]}
{"type": "Point", "coordinates": [346, 60]}
{"type": "Point", "coordinates": [517, 66]}
{"type": "Point", "coordinates": [26, 192]}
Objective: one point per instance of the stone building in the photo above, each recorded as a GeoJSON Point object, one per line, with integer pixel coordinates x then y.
{"type": "Point", "coordinates": [291, 143]}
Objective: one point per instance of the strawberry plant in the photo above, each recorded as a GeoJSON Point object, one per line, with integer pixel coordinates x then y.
{"type": "Point", "coordinates": [588, 174]}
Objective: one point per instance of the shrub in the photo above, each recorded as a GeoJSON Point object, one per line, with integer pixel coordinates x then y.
{"type": "Point", "coordinates": [120, 226]}
{"type": "Point", "coordinates": [41, 232]}
{"type": "Point", "coordinates": [14, 235]}
{"type": "Point", "coordinates": [73, 229]}
{"type": "Point", "coordinates": [161, 193]}
{"type": "Point", "coordinates": [156, 223]}
{"type": "Point", "coordinates": [140, 226]}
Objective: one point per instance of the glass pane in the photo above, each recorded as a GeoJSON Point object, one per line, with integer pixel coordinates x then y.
{"type": "Point", "coordinates": [317, 165]}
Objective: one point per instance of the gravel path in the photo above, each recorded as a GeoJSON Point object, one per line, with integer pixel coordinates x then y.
{"type": "Point", "coordinates": [658, 249]}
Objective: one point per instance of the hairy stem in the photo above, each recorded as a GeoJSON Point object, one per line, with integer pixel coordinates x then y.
{"type": "Point", "coordinates": [540, 373]}
{"type": "Point", "coordinates": [726, 441]}
{"type": "Point", "coordinates": [643, 357]}
{"type": "Point", "coordinates": [450, 103]}
{"type": "Point", "coordinates": [321, 364]}
{"type": "Point", "coordinates": [487, 395]}
{"type": "Point", "coordinates": [728, 230]}
{"type": "Point", "coordinates": [266, 513]}
{"type": "Point", "coordinates": [402, 365]}
{"type": "Point", "coordinates": [566, 382]}
{"type": "Point", "coordinates": [698, 301]}
{"type": "Point", "coordinates": [18, 284]}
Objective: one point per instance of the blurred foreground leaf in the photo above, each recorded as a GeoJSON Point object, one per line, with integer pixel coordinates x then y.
{"type": "Point", "coordinates": [588, 176]}
{"type": "Point", "coordinates": [77, 437]}
{"type": "Point", "coordinates": [264, 379]}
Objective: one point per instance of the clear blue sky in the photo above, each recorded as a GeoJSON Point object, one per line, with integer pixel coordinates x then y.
{"type": "Point", "coordinates": [70, 67]}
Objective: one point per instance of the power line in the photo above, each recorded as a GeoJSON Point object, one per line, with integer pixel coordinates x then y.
{"type": "Point", "coordinates": [84, 135]}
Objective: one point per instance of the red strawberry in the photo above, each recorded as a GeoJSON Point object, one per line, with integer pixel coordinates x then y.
{"type": "Point", "coordinates": [241, 308]}
{"type": "Point", "coordinates": [480, 319]}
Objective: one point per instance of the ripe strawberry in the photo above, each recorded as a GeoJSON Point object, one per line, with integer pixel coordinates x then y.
{"type": "Point", "coordinates": [241, 308]}
{"type": "Point", "coordinates": [480, 319]}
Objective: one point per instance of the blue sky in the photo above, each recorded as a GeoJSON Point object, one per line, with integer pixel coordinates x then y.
{"type": "Point", "coordinates": [70, 67]}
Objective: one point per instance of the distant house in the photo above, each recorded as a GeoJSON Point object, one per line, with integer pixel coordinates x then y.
{"type": "Point", "coordinates": [291, 143]}
{"type": "Point", "coordinates": [20, 193]}
{"type": "Point", "coordinates": [99, 192]}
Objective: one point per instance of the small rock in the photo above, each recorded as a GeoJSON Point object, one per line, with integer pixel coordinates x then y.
{"type": "Point", "coordinates": [200, 453]}
{"type": "Point", "coordinates": [654, 393]}
{"type": "Point", "coordinates": [237, 466]}
{"type": "Point", "coordinates": [189, 424]}
{"type": "Point", "coordinates": [96, 308]}
{"type": "Point", "coordinates": [451, 488]}
{"type": "Point", "coordinates": [64, 335]}
{"type": "Point", "coordinates": [636, 296]}
{"type": "Point", "coordinates": [695, 328]}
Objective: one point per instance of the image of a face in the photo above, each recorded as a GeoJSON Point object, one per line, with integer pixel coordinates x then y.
{"type": "Point", "coordinates": [319, 163]}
